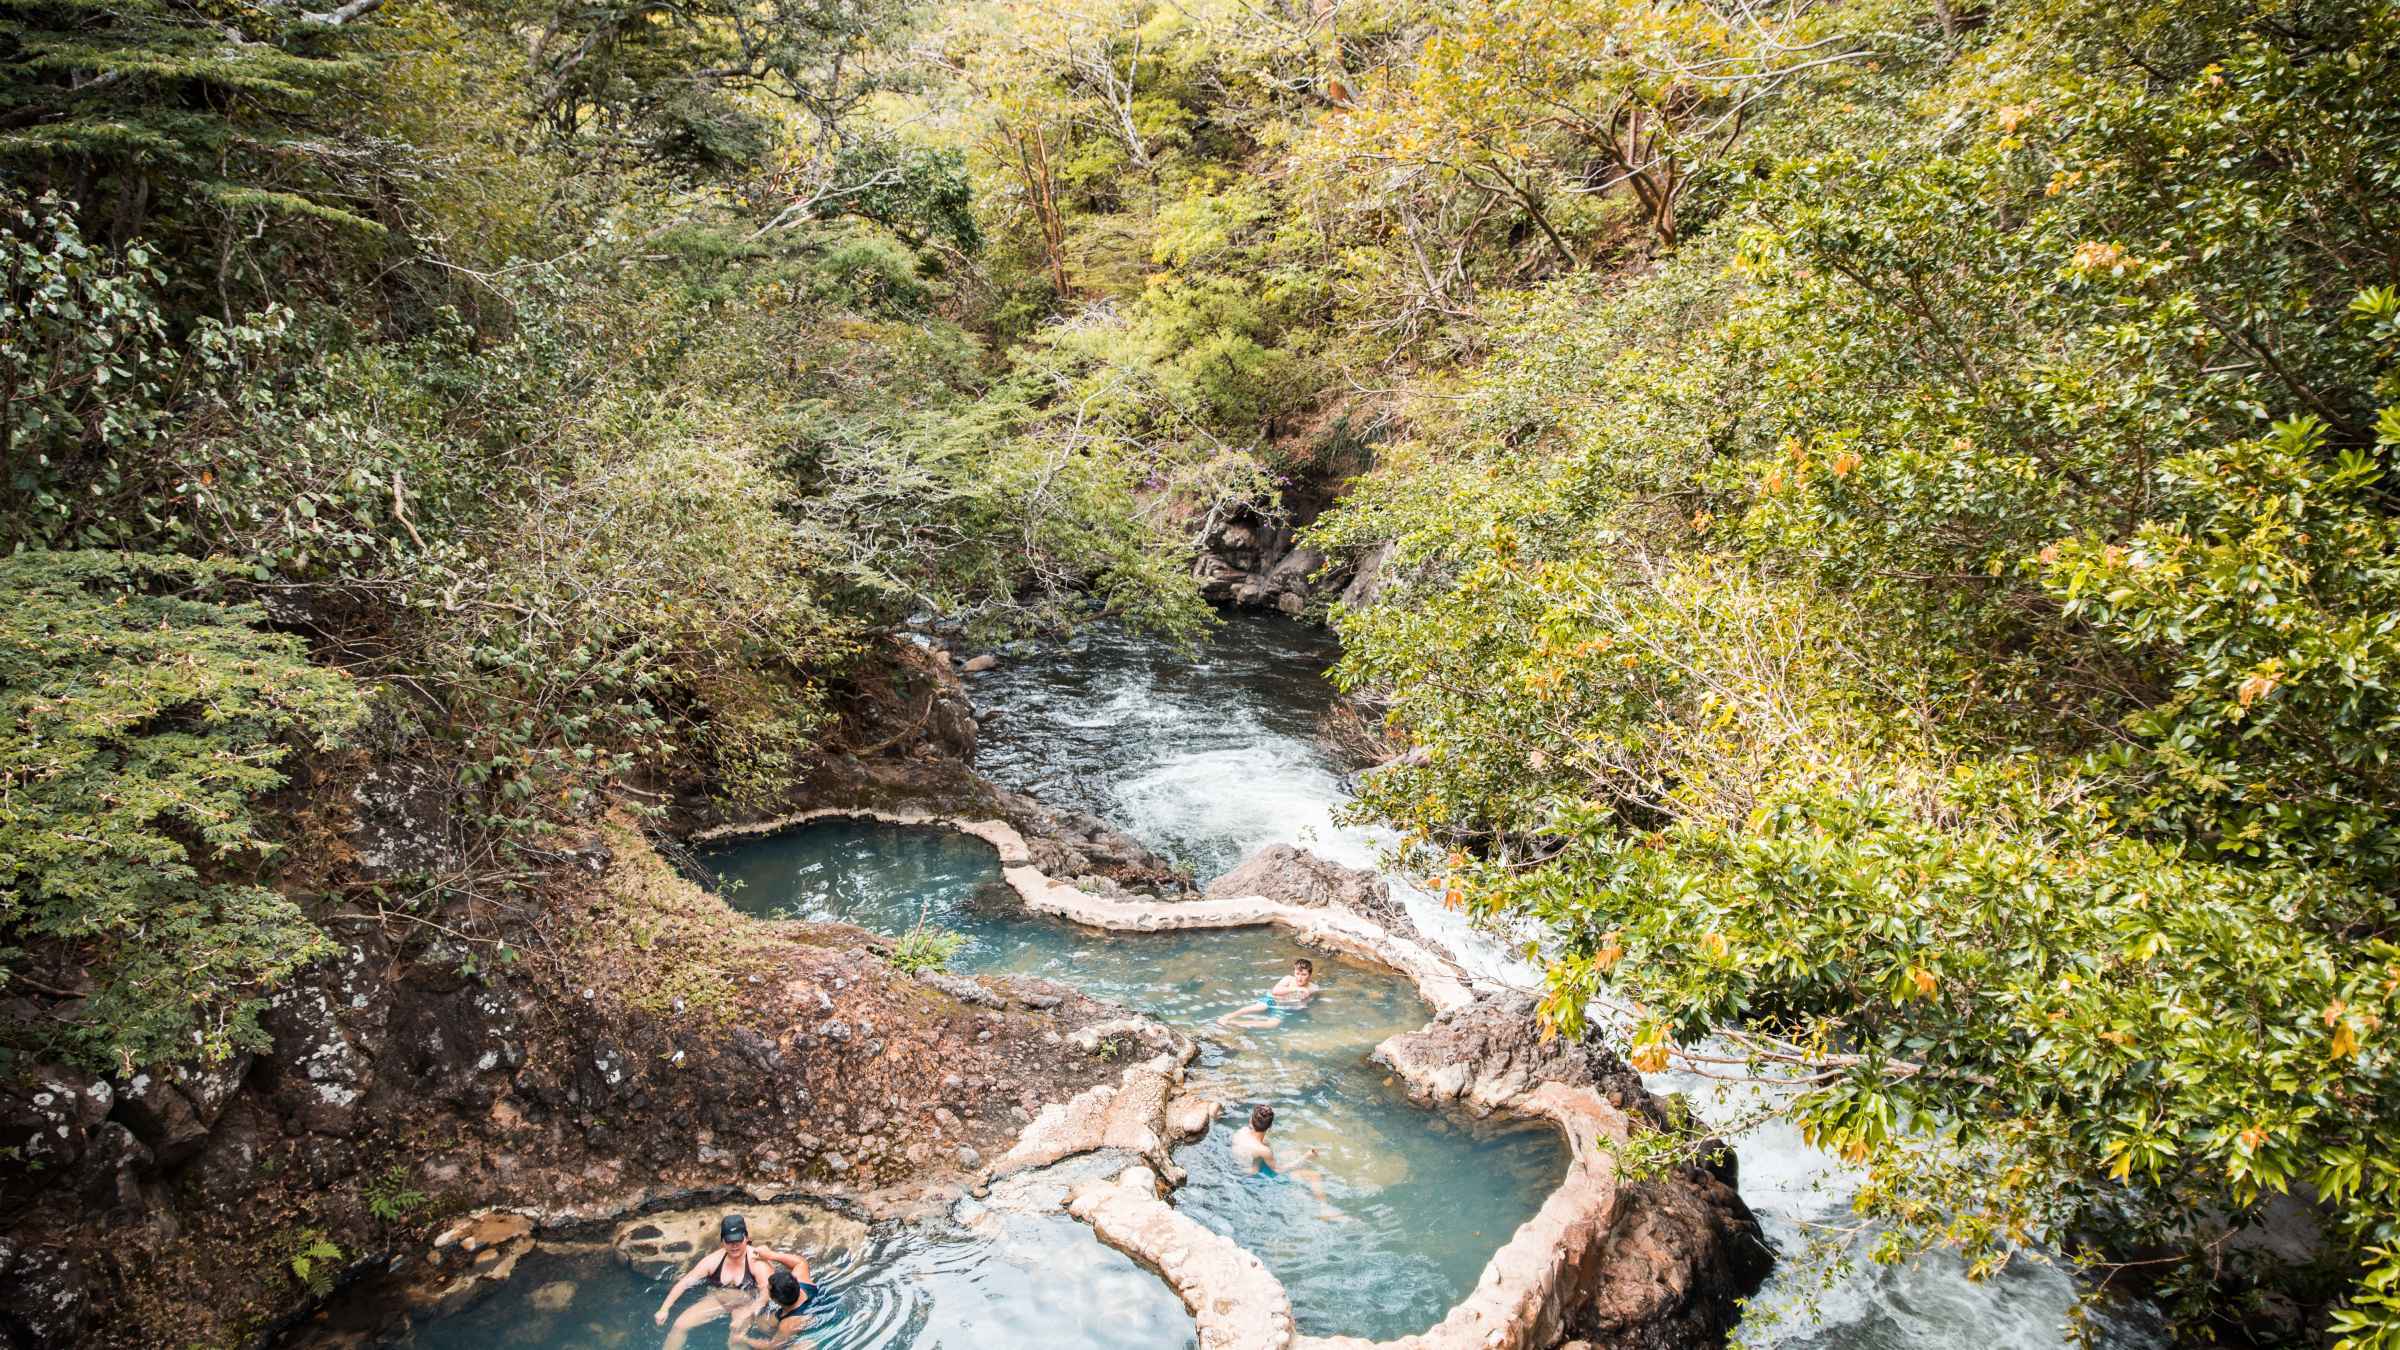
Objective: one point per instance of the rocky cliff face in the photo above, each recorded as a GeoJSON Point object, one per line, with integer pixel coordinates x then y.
{"type": "Point", "coordinates": [1254, 562]}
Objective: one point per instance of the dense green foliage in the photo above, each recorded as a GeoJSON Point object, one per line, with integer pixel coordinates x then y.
{"type": "Point", "coordinates": [140, 721]}
{"type": "Point", "coordinates": [1931, 640]}
{"type": "Point", "coordinates": [580, 408]}
{"type": "Point", "coordinates": [1893, 504]}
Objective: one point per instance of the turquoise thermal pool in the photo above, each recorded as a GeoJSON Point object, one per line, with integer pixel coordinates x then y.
{"type": "Point", "coordinates": [1426, 1198]}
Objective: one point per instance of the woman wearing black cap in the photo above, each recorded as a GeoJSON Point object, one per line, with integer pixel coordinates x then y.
{"type": "Point", "coordinates": [736, 1276]}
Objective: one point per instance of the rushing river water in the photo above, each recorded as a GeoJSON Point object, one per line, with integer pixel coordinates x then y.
{"type": "Point", "coordinates": [1208, 756]}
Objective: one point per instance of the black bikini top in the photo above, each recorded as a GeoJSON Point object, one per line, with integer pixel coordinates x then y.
{"type": "Point", "coordinates": [749, 1284]}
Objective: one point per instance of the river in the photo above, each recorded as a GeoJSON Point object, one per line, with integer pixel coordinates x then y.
{"type": "Point", "coordinates": [1207, 756]}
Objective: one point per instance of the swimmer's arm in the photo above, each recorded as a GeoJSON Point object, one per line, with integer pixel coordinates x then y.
{"type": "Point", "coordinates": [791, 1261]}
{"type": "Point", "coordinates": [690, 1278]}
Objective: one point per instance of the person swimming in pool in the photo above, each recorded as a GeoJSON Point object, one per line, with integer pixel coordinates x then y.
{"type": "Point", "coordinates": [1257, 1157]}
{"type": "Point", "coordinates": [1290, 994]}
{"type": "Point", "coordinates": [735, 1275]}
{"type": "Point", "coordinates": [788, 1300]}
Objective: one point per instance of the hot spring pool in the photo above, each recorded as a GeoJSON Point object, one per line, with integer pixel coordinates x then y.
{"type": "Point", "coordinates": [998, 1280]}
{"type": "Point", "coordinates": [1427, 1199]}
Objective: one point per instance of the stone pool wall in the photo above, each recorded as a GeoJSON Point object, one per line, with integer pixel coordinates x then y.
{"type": "Point", "coordinates": [1595, 1259]}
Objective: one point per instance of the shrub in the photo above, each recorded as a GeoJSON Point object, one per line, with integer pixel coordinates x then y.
{"type": "Point", "coordinates": [139, 725]}
{"type": "Point", "coordinates": [925, 948]}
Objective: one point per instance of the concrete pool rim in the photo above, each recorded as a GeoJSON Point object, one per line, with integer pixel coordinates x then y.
{"type": "Point", "coordinates": [1528, 1289]}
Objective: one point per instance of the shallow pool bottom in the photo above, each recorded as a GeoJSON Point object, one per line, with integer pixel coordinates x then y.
{"type": "Point", "coordinates": [990, 1281]}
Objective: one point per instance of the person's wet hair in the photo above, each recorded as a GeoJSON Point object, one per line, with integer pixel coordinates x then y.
{"type": "Point", "coordinates": [783, 1288]}
{"type": "Point", "coordinates": [1261, 1117]}
{"type": "Point", "coordinates": [1304, 964]}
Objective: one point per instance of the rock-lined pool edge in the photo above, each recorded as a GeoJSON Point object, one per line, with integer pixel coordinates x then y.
{"type": "Point", "coordinates": [1554, 1267]}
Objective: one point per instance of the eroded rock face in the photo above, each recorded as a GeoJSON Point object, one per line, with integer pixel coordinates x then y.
{"type": "Point", "coordinates": [172, 1111]}
{"type": "Point", "coordinates": [1253, 561]}
{"type": "Point", "coordinates": [668, 1243]}
{"type": "Point", "coordinates": [1681, 1253]}
{"type": "Point", "coordinates": [328, 1028]}
{"type": "Point", "coordinates": [1295, 876]}
{"type": "Point", "coordinates": [57, 1124]}
{"type": "Point", "coordinates": [401, 820]}
{"type": "Point", "coordinates": [46, 1296]}
{"type": "Point", "coordinates": [47, 1117]}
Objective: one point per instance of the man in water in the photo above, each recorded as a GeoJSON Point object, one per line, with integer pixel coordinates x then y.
{"type": "Point", "coordinates": [1257, 1157]}
{"type": "Point", "coordinates": [736, 1275]}
{"type": "Point", "coordinates": [788, 1301]}
{"type": "Point", "coordinates": [1290, 994]}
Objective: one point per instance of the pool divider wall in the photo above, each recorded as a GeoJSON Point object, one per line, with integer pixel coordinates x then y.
{"type": "Point", "coordinates": [1528, 1290]}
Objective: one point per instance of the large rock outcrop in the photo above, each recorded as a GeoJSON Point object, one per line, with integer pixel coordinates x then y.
{"type": "Point", "coordinates": [1251, 560]}
{"type": "Point", "coordinates": [1295, 876]}
{"type": "Point", "coordinates": [1657, 1264]}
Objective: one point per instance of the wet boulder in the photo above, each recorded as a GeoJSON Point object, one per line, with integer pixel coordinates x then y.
{"type": "Point", "coordinates": [1300, 576]}
{"type": "Point", "coordinates": [1655, 1264]}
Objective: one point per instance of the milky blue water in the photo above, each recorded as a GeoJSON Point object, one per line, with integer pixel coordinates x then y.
{"type": "Point", "coordinates": [995, 1280]}
{"type": "Point", "coordinates": [1423, 1200]}
{"type": "Point", "coordinates": [1205, 756]}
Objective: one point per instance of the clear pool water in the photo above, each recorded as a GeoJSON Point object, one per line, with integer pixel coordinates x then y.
{"type": "Point", "coordinates": [1425, 1199]}
{"type": "Point", "coordinates": [995, 1281]}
